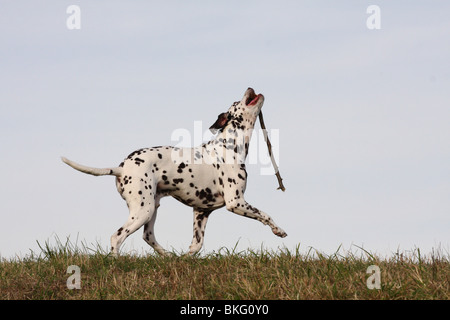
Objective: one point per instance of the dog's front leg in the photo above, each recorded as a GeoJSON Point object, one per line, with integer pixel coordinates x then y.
{"type": "Point", "coordinates": [241, 207]}
{"type": "Point", "coordinates": [200, 219]}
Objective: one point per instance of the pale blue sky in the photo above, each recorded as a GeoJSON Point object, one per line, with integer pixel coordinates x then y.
{"type": "Point", "coordinates": [363, 117]}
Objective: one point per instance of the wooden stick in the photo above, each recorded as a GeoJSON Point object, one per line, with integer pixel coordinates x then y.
{"type": "Point", "coordinates": [269, 146]}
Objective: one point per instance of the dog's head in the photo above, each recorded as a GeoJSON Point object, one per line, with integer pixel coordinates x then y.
{"type": "Point", "coordinates": [242, 114]}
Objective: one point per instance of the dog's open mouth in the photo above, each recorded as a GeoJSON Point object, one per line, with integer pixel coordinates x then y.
{"type": "Point", "coordinates": [252, 98]}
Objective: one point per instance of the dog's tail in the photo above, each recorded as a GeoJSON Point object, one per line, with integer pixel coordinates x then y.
{"type": "Point", "coordinates": [94, 171]}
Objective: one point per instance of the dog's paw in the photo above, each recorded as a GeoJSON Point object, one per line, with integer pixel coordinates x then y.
{"type": "Point", "coordinates": [279, 232]}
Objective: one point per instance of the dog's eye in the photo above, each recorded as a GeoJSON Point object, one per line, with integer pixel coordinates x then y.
{"type": "Point", "coordinates": [235, 103]}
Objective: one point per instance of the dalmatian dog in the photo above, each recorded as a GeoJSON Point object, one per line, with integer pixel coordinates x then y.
{"type": "Point", "coordinates": [206, 178]}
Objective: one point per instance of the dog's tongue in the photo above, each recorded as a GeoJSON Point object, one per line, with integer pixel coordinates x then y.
{"type": "Point", "coordinates": [252, 98]}
{"type": "Point", "coordinates": [254, 101]}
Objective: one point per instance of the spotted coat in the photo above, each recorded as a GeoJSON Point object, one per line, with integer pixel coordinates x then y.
{"type": "Point", "coordinates": [206, 178]}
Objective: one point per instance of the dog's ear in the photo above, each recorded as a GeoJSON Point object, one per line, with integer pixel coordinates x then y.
{"type": "Point", "coordinates": [221, 122]}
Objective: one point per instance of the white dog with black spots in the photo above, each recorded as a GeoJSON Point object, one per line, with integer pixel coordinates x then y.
{"type": "Point", "coordinates": [207, 177]}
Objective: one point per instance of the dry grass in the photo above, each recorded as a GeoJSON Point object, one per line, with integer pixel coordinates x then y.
{"type": "Point", "coordinates": [224, 275]}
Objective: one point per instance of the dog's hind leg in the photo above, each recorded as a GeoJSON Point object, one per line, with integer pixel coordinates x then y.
{"type": "Point", "coordinates": [142, 208]}
{"type": "Point", "coordinates": [149, 236]}
{"type": "Point", "coordinates": [137, 219]}
{"type": "Point", "coordinates": [149, 232]}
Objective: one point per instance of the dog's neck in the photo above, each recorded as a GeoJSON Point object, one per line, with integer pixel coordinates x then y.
{"type": "Point", "coordinates": [231, 144]}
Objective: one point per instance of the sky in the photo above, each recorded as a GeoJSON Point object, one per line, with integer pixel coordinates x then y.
{"type": "Point", "coordinates": [359, 117]}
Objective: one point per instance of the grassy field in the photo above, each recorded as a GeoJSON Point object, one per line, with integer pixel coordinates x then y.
{"type": "Point", "coordinates": [224, 275]}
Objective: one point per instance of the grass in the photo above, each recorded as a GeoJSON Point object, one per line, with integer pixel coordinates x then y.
{"type": "Point", "coordinates": [225, 274]}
